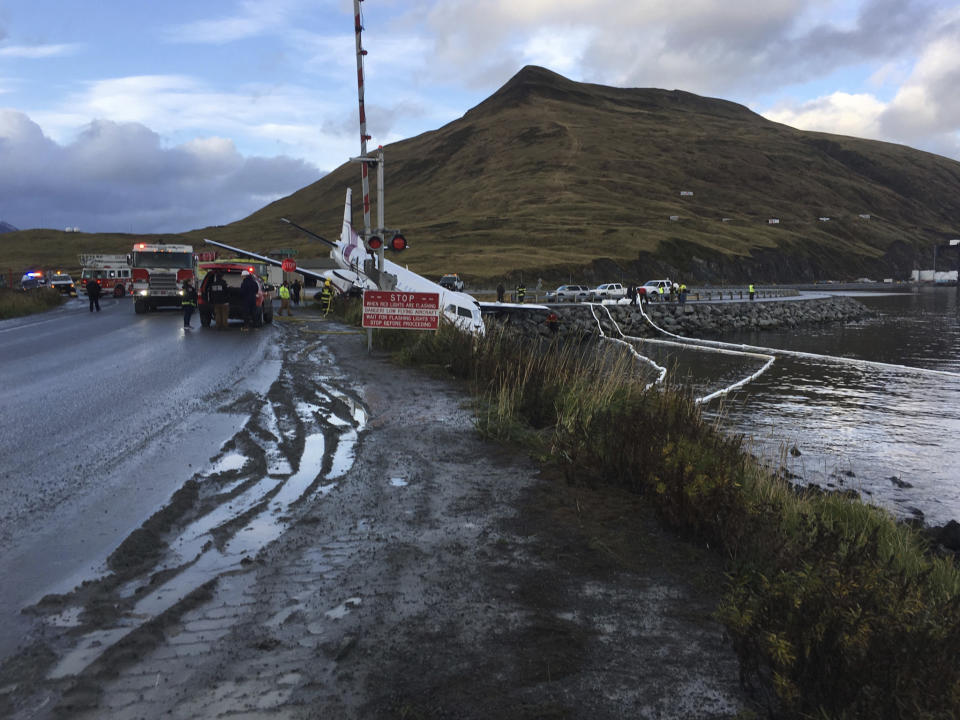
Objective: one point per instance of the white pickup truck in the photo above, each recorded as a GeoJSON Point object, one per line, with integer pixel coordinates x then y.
{"type": "Point", "coordinates": [651, 288]}
{"type": "Point", "coordinates": [608, 291]}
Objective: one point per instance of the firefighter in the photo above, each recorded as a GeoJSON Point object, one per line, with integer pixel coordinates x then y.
{"type": "Point", "coordinates": [295, 292]}
{"type": "Point", "coordinates": [326, 296]}
{"type": "Point", "coordinates": [521, 292]}
{"type": "Point", "coordinates": [284, 292]}
{"type": "Point", "coordinates": [218, 295]}
{"type": "Point", "coordinates": [188, 302]}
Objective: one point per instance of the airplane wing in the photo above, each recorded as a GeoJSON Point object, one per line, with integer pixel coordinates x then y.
{"type": "Point", "coordinates": [269, 260]}
{"type": "Point", "coordinates": [498, 307]}
{"type": "Point", "coordinates": [345, 281]}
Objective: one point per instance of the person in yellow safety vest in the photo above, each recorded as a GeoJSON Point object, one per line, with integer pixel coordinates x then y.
{"type": "Point", "coordinates": [751, 291]}
{"type": "Point", "coordinates": [284, 292]}
{"type": "Point", "coordinates": [660, 293]}
{"type": "Point", "coordinates": [521, 292]}
{"type": "Point", "coordinates": [683, 294]}
{"type": "Point", "coordinates": [326, 296]}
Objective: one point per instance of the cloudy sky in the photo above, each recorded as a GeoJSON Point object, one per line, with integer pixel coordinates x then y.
{"type": "Point", "coordinates": [162, 117]}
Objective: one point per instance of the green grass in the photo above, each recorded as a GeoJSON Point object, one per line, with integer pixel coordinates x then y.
{"type": "Point", "coordinates": [838, 607]}
{"type": "Point", "coordinates": [16, 303]}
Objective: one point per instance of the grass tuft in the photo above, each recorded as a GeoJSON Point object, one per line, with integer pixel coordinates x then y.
{"type": "Point", "coordinates": [17, 303]}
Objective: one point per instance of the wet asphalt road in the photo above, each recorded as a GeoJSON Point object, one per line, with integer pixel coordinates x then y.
{"type": "Point", "coordinates": [104, 415]}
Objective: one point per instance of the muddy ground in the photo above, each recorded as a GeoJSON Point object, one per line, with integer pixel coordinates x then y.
{"type": "Point", "coordinates": [357, 550]}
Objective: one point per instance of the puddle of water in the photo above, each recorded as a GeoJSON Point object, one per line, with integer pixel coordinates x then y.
{"type": "Point", "coordinates": [357, 411]}
{"type": "Point", "coordinates": [344, 455]}
{"type": "Point", "coordinates": [310, 463]}
{"type": "Point", "coordinates": [398, 482]}
{"type": "Point", "coordinates": [343, 609]}
{"type": "Point", "coordinates": [68, 617]}
{"type": "Point", "coordinates": [233, 461]}
{"type": "Point", "coordinates": [191, 541]}
{"type": "Point", "coordinates": [90, 648]}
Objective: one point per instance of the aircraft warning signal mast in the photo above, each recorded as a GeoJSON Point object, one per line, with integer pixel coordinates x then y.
{"type": "Point", "coordinates": [377, 239]}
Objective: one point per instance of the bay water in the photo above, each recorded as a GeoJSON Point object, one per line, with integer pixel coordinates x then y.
{"type": "Point", "coordinates": [892, 434]}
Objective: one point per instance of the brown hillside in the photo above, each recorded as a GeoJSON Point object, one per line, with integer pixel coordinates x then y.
{"type": "Point", "coordinates": [560, 179]}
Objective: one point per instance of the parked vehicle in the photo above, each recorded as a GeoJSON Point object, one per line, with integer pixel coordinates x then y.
{"type": "Point", "coordinates": [569, 293]}
{"type": "Point", "coordinates": [158, 273]}
{"type": "Point", "coordinates": [451, 281]}
{"type": "Point", "coordinates": [33, 279]}
{"type": "Point", "coordinates": [651, 288]}
{"type": "Point", "coordinates": [233, 274]}
{"type": "Point", "coordinates": [63, 283]}
{"type": "Point", "coordinates": [112, 273]}
{"type": "Point", "coordinates": [608, 291]}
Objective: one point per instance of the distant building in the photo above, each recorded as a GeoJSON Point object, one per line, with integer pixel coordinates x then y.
{"type": "Point", "coordinates": [823, 219]}
{"type": "Point", "coordinates": [864, 216]}
{"type": "Point", "coordinates": [725, 219]}
{"type": "Point", "coordinates": [773, 221]}
{"type": "Point", "coordinates": [686, 193]}
{"type": "Point", "coordinates": [674, 217]}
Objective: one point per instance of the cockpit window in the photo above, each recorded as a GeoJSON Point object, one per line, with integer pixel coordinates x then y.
{"type": "Point", "coordinates": [464, 312]}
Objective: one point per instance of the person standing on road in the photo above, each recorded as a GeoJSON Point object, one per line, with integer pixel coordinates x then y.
{"type": "Point", "coordinates": [521, 292]}
{"type": "Point", "coordinates": [93, 294]}
{"type": "Point", "coordinates": [683, 293]}
{"type": "Point", "coordinates": [284, 293]}
{"type": "Point", "coordinates": [188, 302]}
{"type": "Point", "coordinates": [751, 291]}
{"type": "Point", "coordinates": [660, 293]}
{"type": "Point", "coordinates": [218, 296]}
{"type": "Point", "coordinates": [500, 291]}
{"type": "Point", "coordinates": [248, 294]}
{"type": "Point", "coordinates": [295, 292]}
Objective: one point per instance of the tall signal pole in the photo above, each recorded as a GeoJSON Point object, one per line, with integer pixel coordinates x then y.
{"type": "Point", "coordinates": [364, 165]}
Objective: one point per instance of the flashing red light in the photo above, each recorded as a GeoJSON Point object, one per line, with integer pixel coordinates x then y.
{"type": "Point", "coordinates": [374, 243]}
{"type": "Point", "coordinates": [142, 246]}
{"type": "Point", "coordinates": [251, 269]}
{"type": "Point", "coordinates": [398, 242]}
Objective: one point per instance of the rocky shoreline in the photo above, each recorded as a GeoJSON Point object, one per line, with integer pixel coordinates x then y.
{"type": "Point", "coordinates": [702, 319]}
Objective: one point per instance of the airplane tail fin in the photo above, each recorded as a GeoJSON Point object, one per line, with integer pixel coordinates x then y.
{"type": "Point", "coordinates": [347, 235]}
{"type": "Point", "coordinates": [351, 247]}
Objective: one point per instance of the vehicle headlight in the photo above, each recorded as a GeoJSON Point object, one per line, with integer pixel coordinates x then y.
{"type": "Point", "coordinates": [143, 292]}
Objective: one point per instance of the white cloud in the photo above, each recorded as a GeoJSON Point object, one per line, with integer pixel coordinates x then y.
{"type": "Point", "coordinates": [119, 177]}
{"type": "Point", "coordinates": [253, 19]}
{"type": "Point", "coordinates": [840, 113]}
{"type": "Point", "coordinates": [39, 51]}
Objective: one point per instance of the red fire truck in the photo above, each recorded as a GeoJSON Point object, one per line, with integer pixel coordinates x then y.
{"type": "Point", "coordinates": [111, 272]}
{"type": "Point", "coordinates": [158, 273]}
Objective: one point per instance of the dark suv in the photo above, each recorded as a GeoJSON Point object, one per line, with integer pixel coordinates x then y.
{"type": "Point", "coordinates": [233, 274]}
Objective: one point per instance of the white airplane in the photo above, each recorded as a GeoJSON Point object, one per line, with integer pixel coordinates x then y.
{"type": "Point", "coordinates": [460, 308]}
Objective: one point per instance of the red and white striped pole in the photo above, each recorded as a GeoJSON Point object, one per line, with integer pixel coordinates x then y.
{"type": "Point", "coordinates": [364, 169]}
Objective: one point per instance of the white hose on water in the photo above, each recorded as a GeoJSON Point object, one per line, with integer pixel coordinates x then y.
{"type": "Point", "coordinates": [797, 353]}
{"type": "Point", "coordinates": [768, 359]}
{"type": "Point", "coordinates": [662, 371]}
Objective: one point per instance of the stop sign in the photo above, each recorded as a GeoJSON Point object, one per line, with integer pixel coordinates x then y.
{"type": "Point", "coordinates": [288, 265]}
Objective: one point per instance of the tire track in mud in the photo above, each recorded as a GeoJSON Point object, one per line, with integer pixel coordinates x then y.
{"type": "Point", "coordinates": [299, 439]}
